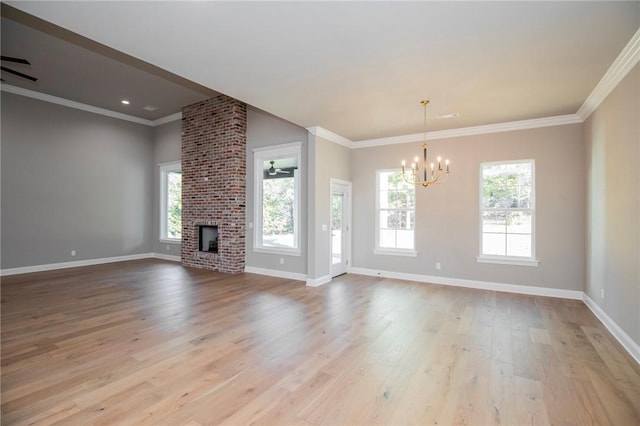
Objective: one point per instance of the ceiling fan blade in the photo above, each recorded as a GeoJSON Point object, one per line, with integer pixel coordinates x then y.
{"type": "Point", "coordinates": [16, 60]}
{"type": "Point", "coordinates": [19, 74]}
{"type": "Point", "coordinates": [282, 171]}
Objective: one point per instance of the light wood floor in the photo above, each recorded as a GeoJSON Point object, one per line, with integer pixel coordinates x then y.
{"type": "Point", "coordinates": [151, 342]}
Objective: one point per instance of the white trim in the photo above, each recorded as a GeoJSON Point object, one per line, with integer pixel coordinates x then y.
{"type": "Point", "coordinates": [281, 251]}
{"type": "Point", "coordinates": [167, 257]}
{"type": "Point", "coordinates": [73, 104]}
{"type": "Point", "coordinates": [73, 264]}
{"type": "Point", "coordinates": [168, 119]}
{"type": "Point", "coordinates": [275, 152]}
{"type": "Point", "coordinates": [626, 60]}
{"type": "Point", "coordinates": [395, 252]}
{"type": "Point", "coordinates": [330, 136]}
{"type": "Point", "coordinates": [559, 120]}
{"type": "Point", "coordinates": [481, 285]}
{"type": "Point", "coordinates": [508, 261]}
{"type": "Point", "coordinates": [170, 241]}
{"type": "Point", "coordinates": [347, 219]}
{"type": "Point", "coordinates": [316, 282]}
{"type": "Point", "coordinates": [275, 273]}
{"type": "Point", "coordinates": [88, 108]}
{"type": "Point", "coordinates": [279, 150]}
{"type": "Point", "coordinates": [623, 338]}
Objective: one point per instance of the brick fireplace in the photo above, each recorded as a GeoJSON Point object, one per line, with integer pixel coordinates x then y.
{"type": "Point", "coordinates": [214, 138]}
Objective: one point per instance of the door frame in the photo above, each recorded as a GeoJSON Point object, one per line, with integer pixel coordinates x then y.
{"type": "Point", "coordinates": [346, 219]}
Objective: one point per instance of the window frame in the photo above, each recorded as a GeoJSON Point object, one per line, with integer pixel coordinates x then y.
{"type": "Point", "coordinates": [387, 250]}
{"type": "Point", "coordinates": [275, 152]}
{"type": "Point", "coordinates": [165, 169]}
{"type": "Point", "coordinates": [506, 259]}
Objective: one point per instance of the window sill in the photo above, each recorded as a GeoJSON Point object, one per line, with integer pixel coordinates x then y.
{"type": "Point", "coordinates": [281, 251]}
{"type": "Point", "coordinates": [170, 241]}
{"type": "Point", "coordinates": [395, 252]}
{"type": "Point", "coordinates": [508, 261]}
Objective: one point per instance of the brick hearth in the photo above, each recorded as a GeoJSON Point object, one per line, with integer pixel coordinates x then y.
{"type": "Point", "coordinates": [214, 138]}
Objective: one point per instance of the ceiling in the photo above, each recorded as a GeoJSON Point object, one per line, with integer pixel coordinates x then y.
{"type": "Point", "coordinates": [358, 69]}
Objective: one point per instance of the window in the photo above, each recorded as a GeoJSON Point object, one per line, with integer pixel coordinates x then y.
{"type": "Point", "coordinates": [170, 202]}
{"type": "Point", "coordinates": [395, 214]}
{"type": "Point", "coordinates": [507, 212]}
{"type": "Point", "coordinates": [277, 174]}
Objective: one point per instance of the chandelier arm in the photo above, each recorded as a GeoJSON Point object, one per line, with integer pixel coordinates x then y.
{"type": "Point", "coordinates": [435, 176]}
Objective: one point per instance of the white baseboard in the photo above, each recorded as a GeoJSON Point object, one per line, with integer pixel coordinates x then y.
{"type": "Point", "coordinates": [627, 342]}
{"type": "Point", "coordinates": [316, 282]}
{"type": "Point", "coordinates": [73, 264]}
{"type": "Point", "coordinates": [167, 257]}
{"type": "Point", "coordinates": [87, 262]}
{"type": "Point", "coordinates": [276, 273]}
{"type": "Point", "coordinates": [482, 285]}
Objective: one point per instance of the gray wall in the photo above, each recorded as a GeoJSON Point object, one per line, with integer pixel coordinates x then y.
{"type": "Point", "coordinates": [612, 135]}
{"type": "Point", "coordinates": [447, 215]}
{"type": "Point", "coordinates": [72, 180]}
{"type": "Point", "coordinates": [264, 129]}
{"type": "Point", "coordinates": [329, 160]}
{"type": "Point", "coordinates": [166, 148]}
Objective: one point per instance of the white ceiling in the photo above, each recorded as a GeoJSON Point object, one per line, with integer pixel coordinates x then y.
{"type": "Point", "coordinates": [359, 69]}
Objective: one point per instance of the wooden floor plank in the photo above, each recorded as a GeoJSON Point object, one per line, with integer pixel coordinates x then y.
{"type": "Point", "coordinates": [150, 342]}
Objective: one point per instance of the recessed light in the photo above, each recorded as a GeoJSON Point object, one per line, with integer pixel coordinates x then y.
{"type": "Point", "coordinates": [124, 101]}
{"type": "Point", "coordinates": [150, 108]}
{"type": "Point", "coordinates": [445, 116]}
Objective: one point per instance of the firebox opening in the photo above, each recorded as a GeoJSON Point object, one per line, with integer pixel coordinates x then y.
{"type": "Point", "coordinates": [208, 238]}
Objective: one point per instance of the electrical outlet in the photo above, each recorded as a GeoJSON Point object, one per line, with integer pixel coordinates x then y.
{"type": "Point", "coordinates": [437, 265]}
{"type": "Point", "coordinates": [168, 248]}
{"type": "Point", "coordinates": [73, 252]}
{"type": "Point", "coordinates": [282, 260]}
{"type": "Point", "coordinates": [602, 293]}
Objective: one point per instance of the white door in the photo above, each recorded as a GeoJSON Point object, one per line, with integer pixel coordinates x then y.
{"type": "Point", "coordinates": [340, 226]}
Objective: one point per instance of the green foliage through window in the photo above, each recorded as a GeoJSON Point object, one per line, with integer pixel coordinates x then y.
{"type": "Point", "coordinates": [278, 206]}
{"type": "Point", "coordinates": [174, 205]}
{"type": "Point", "coordinates": [507, 209]}
{"type": "Point", "coordinates": [396, 211]}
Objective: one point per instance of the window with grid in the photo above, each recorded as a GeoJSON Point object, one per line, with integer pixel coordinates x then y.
{"type": "Point", "coordinates": [395, 210]}
{"type": "Point", "coordinates": [170, 202]}
{"type": "Point", "coordinates": [507, 211]}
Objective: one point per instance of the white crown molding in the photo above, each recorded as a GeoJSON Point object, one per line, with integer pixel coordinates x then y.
{"type": "Point", "coordinates": [625, 61]}
{"type": "Point", "coordinates": [627, 342]}
{"type": "Point", "coordinates": [88, 108]}
{"type": "Point", "coordinates": [275, 273]}
{"type": "Point", "coordinates": [73, 104]}
{"type": "Point", "coordinates": [559, 120]}
{"type": "Point", "coordinates": [330, 136]}
{"type": "Point", "coordinates": [168, 119]}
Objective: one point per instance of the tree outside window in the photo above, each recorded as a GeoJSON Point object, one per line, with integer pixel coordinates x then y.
{"type": "Point", "coordinates": [507, 209]}
{"type": "Point", "coordinates": [277, 175]}
{"type": "Point", "coordinates": [396, 212]}
{"type": "Point", "coordinates": [170, 202]}
{"type": "Point", "coordinates": [174, 205]}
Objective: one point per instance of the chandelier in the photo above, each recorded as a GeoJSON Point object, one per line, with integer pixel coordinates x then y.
{"type": "Point", "coordinates": [431, 173]}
